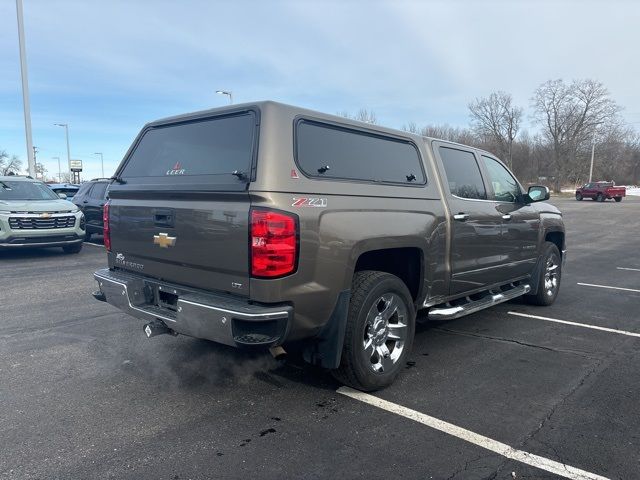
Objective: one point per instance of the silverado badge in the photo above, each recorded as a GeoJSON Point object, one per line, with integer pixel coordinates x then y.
{"type": "Point", "coordinates": [164, 240]}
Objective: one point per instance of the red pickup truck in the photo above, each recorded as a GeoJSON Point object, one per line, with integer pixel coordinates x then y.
{"type": "Point", "coordinates": [601, 191]}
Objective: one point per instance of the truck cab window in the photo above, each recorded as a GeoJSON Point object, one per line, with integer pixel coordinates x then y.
{"type": "Point", "coordinates": [463, 173]}
{"type": "Point", "coordinates": [505, 187]}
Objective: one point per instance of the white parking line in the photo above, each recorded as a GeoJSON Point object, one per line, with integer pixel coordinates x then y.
{"type": "Point", "coordinates": [542, 463]}
{"type": "Point", "coordinates": [575, 324]}
{"type": "Point", "coordinates": [607, 286]}
{"type": "Point", "coordinates": [630, 269]}
{"type": "Point", "coordinates": [94, 244]}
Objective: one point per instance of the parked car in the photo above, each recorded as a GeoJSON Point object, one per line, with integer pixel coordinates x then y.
{"type": "Point", "coordinates": [91, 199]}
{"type": "Point", "coordinates": [270, 225]}
{"type": "Point", "coordinates": [32, 215]}
{"type": "Point", "coordinates": [601, 191]}
{"type": "Point", "coordinates": [69, 189]}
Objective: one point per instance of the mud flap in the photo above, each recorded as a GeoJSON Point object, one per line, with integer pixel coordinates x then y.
{"type": "Point", "coordinates": [326, 350]}
{"type": "Point", "coordinates": [535, 276]}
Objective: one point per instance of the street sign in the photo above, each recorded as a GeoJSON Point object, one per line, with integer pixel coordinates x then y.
{"type": "Point", "coordinates": [75, 165]}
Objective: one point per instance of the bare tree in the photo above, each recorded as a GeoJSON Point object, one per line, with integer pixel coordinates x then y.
{"type": "Point", "coordinates": [411, 127]}
{"type": "Point", "coordinates": [453, 134]}
{"type": "Point", "coordinates": [40, 170]}
{"type": "Point", "coordinates": [496, 118]}
{"type": "Point", "coordinates": [363, 115]}
{"type": "Point", "coordinates": [569, 116]}
{"type": "Point", "coordinates": [66, 178]}
{"type": "Point", "coordinates": [9, 164]}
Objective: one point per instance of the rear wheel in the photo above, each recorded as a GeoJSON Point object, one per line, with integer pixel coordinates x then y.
{"type": "Point", "coordinates": [600, 197]}
{"type": "Point", "coordinates": [76, 248]}
{"type": "Point", "coordinates": [579, 197]}
{"type": "Point", "coordinates": [618, 199]}
{"type": "Point", "coordinates": [549, 278]}
{"type": "Point", "coordinates": [379, 332]}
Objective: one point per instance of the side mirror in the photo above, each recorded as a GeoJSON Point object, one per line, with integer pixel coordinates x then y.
{"type": "Point", "coordinates": [63, 196]}
{"type": "Point", "coordinates": [538, 193]}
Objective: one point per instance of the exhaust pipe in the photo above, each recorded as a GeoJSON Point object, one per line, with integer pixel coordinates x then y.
{"type": "Point", "coordinates": [278, 352]}
{"type": "Point", "coordinates": [155, 328]}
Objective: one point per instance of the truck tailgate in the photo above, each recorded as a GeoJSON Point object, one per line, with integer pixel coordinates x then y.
{"type": "Point", "coordinates": [201, 243]}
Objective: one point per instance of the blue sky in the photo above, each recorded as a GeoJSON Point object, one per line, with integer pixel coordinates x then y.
{"type": "Point", "coordinates": [108, 67]}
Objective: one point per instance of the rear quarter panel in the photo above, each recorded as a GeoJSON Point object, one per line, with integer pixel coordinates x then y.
{"type": "Point", "coordinates": [354, 217]}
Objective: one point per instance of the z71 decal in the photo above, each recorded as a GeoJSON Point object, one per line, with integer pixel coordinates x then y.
{"type": "Point", "coordinates": [309, 202]}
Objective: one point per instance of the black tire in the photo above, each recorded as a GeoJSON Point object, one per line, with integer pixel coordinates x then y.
{"type": "Point", "coordinates": [600, 197]}
{"type": "Point", "coordinates": [547, 292]}
{"type": "Point", "coordinates": [618, 199]}
{"type": "Point", "coordinates": [87, 236]}
{"type": "Point", "coordinates": [368, 293]}
{"type": "Point", "coordinates": [75, 248]}
{"type": "Point", "coordinates": [579, 197]}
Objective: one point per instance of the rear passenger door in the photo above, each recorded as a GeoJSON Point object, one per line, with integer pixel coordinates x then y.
{"type": "Point", "coordinates": [477, 251]}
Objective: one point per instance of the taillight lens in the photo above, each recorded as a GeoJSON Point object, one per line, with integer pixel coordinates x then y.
{"type": "Point", "coordinates": [105, 222]}
{"type": "Point", "coordinates": [274, 243]}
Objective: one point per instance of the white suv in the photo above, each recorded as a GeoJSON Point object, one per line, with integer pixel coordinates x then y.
{"type": "Point", "coordinates": [32, 215]}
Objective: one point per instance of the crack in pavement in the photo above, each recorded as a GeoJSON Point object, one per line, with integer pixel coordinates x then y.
{"type": "Point", "coordinates": [517, 342]}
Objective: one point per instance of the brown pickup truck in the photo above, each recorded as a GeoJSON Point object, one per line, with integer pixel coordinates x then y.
{"type": "Point", "coordinates": [601, 191]}
{"type": "Point", "coordinates": [266, 225]}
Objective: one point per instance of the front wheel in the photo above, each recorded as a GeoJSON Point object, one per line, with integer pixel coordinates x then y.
{"type": "Point", "coordinates": [549, 278]}
{"type": "Point", "coordinates": [618, 199]}
{"type": "Point", "coordinates": [579, 197]}
{"type": "Point", "coordinates": [379, 332]}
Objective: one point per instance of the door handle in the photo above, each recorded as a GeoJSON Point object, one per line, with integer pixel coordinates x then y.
{"type": "Point", "coordinates": [506, 217]}
{"type": "Point", "coordinates": [85, 201]}
{"type": "Point", "coordinates": [461, 217]}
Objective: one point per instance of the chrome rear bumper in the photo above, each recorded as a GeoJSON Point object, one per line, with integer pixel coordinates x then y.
{"type": "Point", "coordinates": [221, 318]}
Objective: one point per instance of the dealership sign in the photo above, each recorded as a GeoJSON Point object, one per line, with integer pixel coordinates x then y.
{"type": "Point", "coordinates": [75, 165]}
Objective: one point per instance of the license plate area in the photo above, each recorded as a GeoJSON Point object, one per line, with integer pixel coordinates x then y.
{"type": "Point", "coordinates": [161, 296]}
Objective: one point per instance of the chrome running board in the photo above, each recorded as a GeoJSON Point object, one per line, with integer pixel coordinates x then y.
{"type": "Point", "coordinates": [493, 297]}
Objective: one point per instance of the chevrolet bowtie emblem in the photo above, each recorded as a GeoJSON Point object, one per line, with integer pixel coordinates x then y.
{"type": "Point", "coordinates": [164, 240]}
{"type": "Point", "coordinates": [45, 215]}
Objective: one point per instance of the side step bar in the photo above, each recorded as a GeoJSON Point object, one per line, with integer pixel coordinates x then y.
{"type": "Point", "coordinates": [450, 312]}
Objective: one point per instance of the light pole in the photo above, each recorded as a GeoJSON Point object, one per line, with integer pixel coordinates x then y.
{"type": "Point", "coordinates": [66, 132]}
{"type": "Point", "coordinates": [25, 90]}
{"type": "Point", "coordinates": [593, 152]}
{"type": "Point", "coordinates": [101, 162]}
{"type": "Point", "coordinates": [59, 170]}
{"type": "Point", "coordinates": [229, 94]}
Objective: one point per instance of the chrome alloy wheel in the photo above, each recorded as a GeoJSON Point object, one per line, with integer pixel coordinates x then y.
{"type": "Point", "coordinates": [551, 275]}
{"type": "Point", "coordinates": [385, 332]}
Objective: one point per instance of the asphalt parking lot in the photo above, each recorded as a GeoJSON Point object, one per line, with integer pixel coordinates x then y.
{"type": "Point", "coordinates": [84, 394]}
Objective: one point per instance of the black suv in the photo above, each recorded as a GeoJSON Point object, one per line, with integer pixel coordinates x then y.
{"type": "Point", "coordinates": [91, 199]}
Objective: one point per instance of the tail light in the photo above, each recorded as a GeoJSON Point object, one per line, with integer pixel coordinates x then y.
{"type": "Point", "coordinates": [105, 222]}
{"type": "Point", "coordinates": [274, 243]}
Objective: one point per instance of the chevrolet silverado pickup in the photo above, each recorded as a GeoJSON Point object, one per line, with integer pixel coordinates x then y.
{"type": "Point", "coordinates": [266, 225]}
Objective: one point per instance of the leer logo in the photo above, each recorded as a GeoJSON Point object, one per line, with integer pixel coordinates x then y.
{"type": "Point", "coordinates": [176, 170]}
